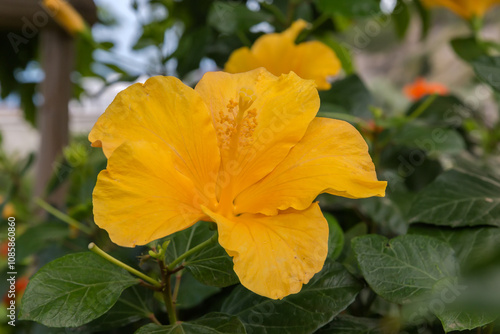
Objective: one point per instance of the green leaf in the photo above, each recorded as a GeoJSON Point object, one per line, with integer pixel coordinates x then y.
{"type": "Point", "coordinates": [26, 93]}
{"type": "Point", "coordinates": [212, 266]}
{"type": "Point", "coordinates": [191, 291]}
{"type": "Point", "coordinates": [349, 7]}
{"type": "Point", "coordinates": [488, 70]}
{"type": "Point", "coordinates": [386, 213]}
{"type": "Point", "coordinates": [348, 95]}
{"type": "Point", "coordinates": [212, 323]}
{"type": "Point", "coordinates": [62, 171]}
{"type": "Point", "coordinates": [108, 45]}
{"type": "Point", "coordinates": [304, 11]}
{"type": "Point", "coordinates": [335, 237]}
{"type": "Point", "coordinates": [431, 140]}
{"type": "Point", "coordinates": [346, 324]}
{"type": "Point", "coordinates": [425, 17]}
{"type": "Point", "coordinates": [153, 33]}
{"type": "Point", "coordinates": [462, 309]}
{"type": "Point", "coordinates": [451, 302]}
{"type": "Point", "coordinates": [467, 48]}
{"type": "Point", "coordinates": [401, 18]}
{"type": "Point", "coordinates": [192, 48]}
{"type": "Point", "coordinates": [445, 111]}
{"type": "Point", "coordinates": [347, 257]}
{"type": "Point", "coordinates": [405, 268]}
{"type": "Point", "coordinates": [464, 319]}
{"type": "Point", "coordinates": [230, 17]}
{"type": "Point", "coordinates": [73, 290]}
{"type": "Point", "coordinates": [341, 50]}
{"type": "Point", "coordinates": [115, 68]}
{"type": "Point", "coordinates": [474, 247]}
{"type": "Point", "coordinates": [328, 293]}
{"type": "Point", "coordinates": [133, 305]}
{"type": "Point", "coordinates": [458, 198]}
{"type": "Point", "coordinates": [40, 236]}
{"type": "Point", "coordinates": [476, 303]}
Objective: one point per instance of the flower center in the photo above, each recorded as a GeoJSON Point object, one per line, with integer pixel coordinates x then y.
{"type": "Point", "coordinates": [237, 122]}
{"type": "Point", "coordinates": [235, 127]}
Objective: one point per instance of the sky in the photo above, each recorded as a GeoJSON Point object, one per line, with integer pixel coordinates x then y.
{"type": "Point", "coordinates": [123, 34]}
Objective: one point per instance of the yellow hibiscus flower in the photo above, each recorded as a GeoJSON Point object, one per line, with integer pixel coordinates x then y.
{"type": "Point", "coordinates": [465, 8]}
{"type": "Point", "coordinates": [242, 150]}
{"type": "Point", "coordinates": [279, 54]}
{"type": "Point", "coordinates": [65, 15]}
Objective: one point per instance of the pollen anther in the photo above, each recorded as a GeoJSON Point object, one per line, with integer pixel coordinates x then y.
{"type": "Point", "coordinates": [237, 123]}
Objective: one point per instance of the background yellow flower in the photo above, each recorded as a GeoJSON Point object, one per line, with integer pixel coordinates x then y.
{"type": "Point", "coordinates": [465, 8]}
{"type": "Point", "coordinates": [279, 54]}
{"type": "Point", "coordinates": [8, 209]}
{"type": "Point", "coordinates": [65, 15]}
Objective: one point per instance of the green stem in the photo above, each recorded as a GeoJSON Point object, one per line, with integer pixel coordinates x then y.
{"type": "Point", "coordinates": [177, 285]}
{"type": "Point", "coordinates": [62, 216]}
{"type": "Point", "coordinates": [243, 38]}
{"type": "Point", "coordinates": [93, 248]}
{"type": "Point", "coordinates": [167, 296]}
{"type": "Point", "coordinates": [491, 45]}
{"type": "Point", "coordinates": [476, 24]}
{"type": "Point", "coordinates": [422, 107]}
{"type": "Point", "coordinates": [489, 329]}
{"type": "Point", "coordinates": [167, 293]}
{"type": "Point", "coordinates": [192, 251]}
{"type": "Point", "coordinates": [319, 21]}
{"type": "Point", "coordinates": [153, 318]}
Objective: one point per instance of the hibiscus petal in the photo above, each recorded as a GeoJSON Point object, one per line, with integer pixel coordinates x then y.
{"type": "Point", "coordinates": [314, 60]}
{"type": "Point", "coordinates": [141, 197]}
{"type": "Point", "coordinates": [275, 52]}
{"type": "Point", "coordinates": [241, 60]}
{"type": "Point", "coordinates": [274, 256]}
{"type": "Point", "coordinates": [283, 109]}
{"type": "Point", "coordinates": [279, 54]}
{"type": "Point", "coordinates": [332, 157]}
{"type": "Point", "coordinates": [465, 8]}
{"type": "Point", "coordinates": [165, 111]}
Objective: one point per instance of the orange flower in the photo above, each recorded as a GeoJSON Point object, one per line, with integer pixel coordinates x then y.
{"type": "Point", "coordinates": [4, 249]}
{"type": "Point", "coordinates": [279, 54]}
{"type": "Point", "coordinates": [465, 8]}
{"type": "Point", "coordinates": [420, 88]}
{"type": "Point", "coordinates": [8, 209]}
{"type": "Point", "coordinates": [65, 15]}
{"type": "Point", "coordinates": [20, 286]}
{"type": "Point", "coordinates": [242, 150]}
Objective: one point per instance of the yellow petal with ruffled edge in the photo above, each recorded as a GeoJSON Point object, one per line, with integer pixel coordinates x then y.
{"type": "Point", "coordinates": [141, 197]}
{"type": "Point", "coordinates": [258, 118]}
{"type": "Point", "coordinates": [165, 111]}
{"type": "Point", "coordinates": [242, 60]}
{"type": "Point", "coordinates": [316, 61]}
{"type": "Point", "coordinates": [274, 256]}
{"type": "Point", "coordinates": [332, 157]}
{"type": "Point", "coordinates": [278, 53]}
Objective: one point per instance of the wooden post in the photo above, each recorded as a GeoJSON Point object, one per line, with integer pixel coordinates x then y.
{"type": "Point", "coordinates": [57, 53]}
{"type": "Point", "coordinates": [22, 19]}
